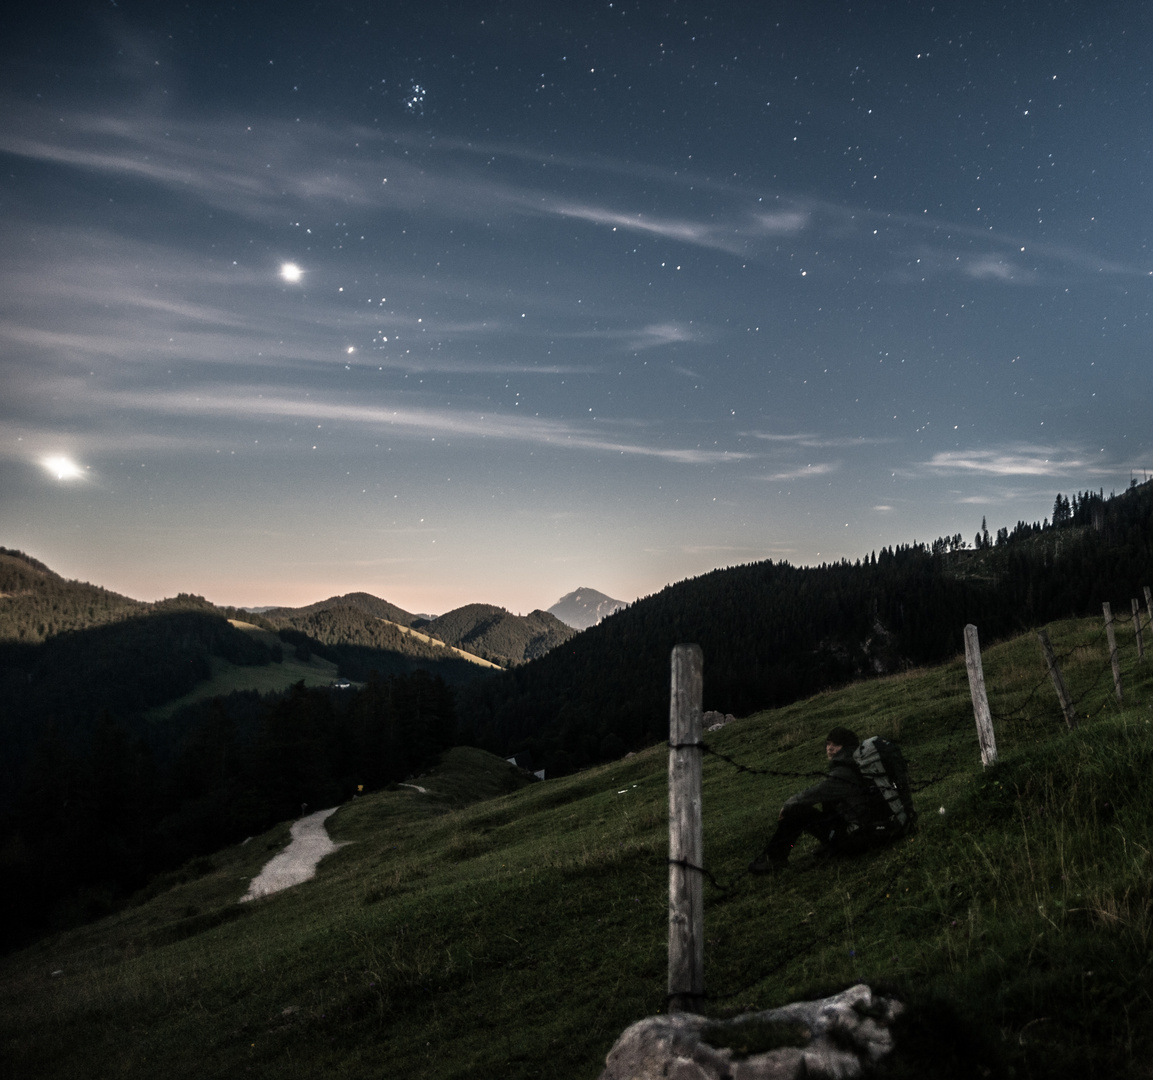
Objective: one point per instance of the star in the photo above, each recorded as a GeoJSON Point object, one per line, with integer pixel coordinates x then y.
{"type": "Point", "coordinates": [290, 272]}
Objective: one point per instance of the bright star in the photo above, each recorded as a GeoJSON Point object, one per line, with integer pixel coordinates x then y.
{"type": "Point", "coordinates": [62, 468]}
{"type": "Point", "coordinates": [291, 272]}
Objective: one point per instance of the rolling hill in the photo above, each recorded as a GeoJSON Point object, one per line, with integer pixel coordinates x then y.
{"type": "Point", "coordinates": [497, 635]}
{"type": "Point", "coordinates": [358, 601]}
{"type": "Point", "coordinates": [476, 632]}
{"type": "Point", "coordinates": [480, 931]}
{"type": "Point", "coordinates": [37, 603]}
{"type": "Point", "coordinates": [360, 642]}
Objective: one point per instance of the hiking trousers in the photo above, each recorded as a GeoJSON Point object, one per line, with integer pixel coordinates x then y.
{"type": "Point", "coordinates": [829, 828]}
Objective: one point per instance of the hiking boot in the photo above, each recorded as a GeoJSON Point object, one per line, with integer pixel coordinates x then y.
{"type": "Point", "coordinates": [763, 864]}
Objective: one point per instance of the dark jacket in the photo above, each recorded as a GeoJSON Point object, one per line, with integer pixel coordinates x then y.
{"type": "Point", "coordinates": [844, 791]}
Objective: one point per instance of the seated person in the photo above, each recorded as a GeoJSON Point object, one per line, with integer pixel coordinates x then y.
{"type": "Point", "coordinates": [833, 811]}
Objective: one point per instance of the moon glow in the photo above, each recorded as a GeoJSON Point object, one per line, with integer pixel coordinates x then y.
{"type": "Point", "coordinates": [291, 272]}
{"type": "Point", "coordinates": [63, 468]}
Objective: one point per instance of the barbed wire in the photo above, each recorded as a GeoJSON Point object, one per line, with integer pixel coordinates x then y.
{"type": "Point", "coordinates": [1058, 660]}
{"type": "Point", "coordinates": [946, 760]}
{"type": "Point", "coordinates": [709, 874]}
{"type": "Point", "coordinates": [1002, 716]}
{"type": "Point", "coordinates": [740, 767]}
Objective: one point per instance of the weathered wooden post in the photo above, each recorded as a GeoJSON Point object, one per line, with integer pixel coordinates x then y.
{"type": "Point", "coordinates": [1112, 649]}
{"type": "Point", "coordinates": [1136, 607]}
{"type": "Point", "coordinates": [686, 841]}
{"type": "Point", "coordinates": [980, 699]}
{"type": "Point", "coordinates": [1149, 602]}
{"type": "Point", "coordinates": [1058, 681]}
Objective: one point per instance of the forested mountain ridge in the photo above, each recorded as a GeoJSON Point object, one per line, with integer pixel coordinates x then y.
{"type": "Point", "coordinates": [360, 643]}
{"type": "Point", "coordinates": [360, 601]}
{"type": "Point", "coordinates": [497, 635]}
{"type": "Point", "coordinates": [36, 602]}
{"type": "Point", "coordinates": [481, 630]}
{"type": "Point", "coordinates": [772, 633]}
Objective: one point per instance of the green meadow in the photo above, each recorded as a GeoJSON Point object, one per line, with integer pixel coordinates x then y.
{"type": "Point", "coordinates": [228, 678]}
{"type": "Point", "coordinates": [493, 928]}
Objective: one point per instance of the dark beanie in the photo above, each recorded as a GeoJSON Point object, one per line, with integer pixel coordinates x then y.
{"type": "Point", "coordinates": [842, 736]}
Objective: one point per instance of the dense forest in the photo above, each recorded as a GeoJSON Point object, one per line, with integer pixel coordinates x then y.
{"type": "Point", "coordinates": [772, 632]}
{"type": "Point", "coordinates": [122, 667]}
{"type": "Point", "coordinates": [96, 817]}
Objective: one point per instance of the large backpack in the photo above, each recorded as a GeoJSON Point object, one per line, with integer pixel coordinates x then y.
{"type": "Point", "coordinates": [882, 765]}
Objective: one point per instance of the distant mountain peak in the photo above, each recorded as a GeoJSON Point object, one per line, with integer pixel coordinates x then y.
{"type": "Point", "coordinates": [584, 607]}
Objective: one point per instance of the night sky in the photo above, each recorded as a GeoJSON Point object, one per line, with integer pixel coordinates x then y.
{"type": "Point", "coordinates": [484, 302]}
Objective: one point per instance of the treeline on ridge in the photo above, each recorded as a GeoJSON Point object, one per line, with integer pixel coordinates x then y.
{"type": "Point", "coordinates": [772, 633]}
{"type": "Point", "coordinates": [47, 604]}
{"type": "Point", "coordinates": [357, 643]}
{"type": "Point", "coordinates": [493, 634]}
{"type": "Point", "coordinates": [483, 630]}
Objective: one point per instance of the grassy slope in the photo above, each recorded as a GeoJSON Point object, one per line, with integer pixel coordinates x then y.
{"type": "Point", "coordinates": [518, 936]}
{"type": "Point", "coordinates": [316, 671]}
{"type": "Point", "coordinates": [228, 677]}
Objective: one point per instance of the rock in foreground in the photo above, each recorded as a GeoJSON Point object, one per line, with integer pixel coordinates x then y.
{"type": "Point", "coordinates": [836, 1038]}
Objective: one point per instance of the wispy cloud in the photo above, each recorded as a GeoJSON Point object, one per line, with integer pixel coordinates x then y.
{"type": "Point", "coordinates": [726, 550]}
{"type": "Point", "coordinates": [1021, 461]}
{"type": "Point", "coordinates": [804, 472]}
{"type": "Point", "coordinates": [998, 268]}
{"type": "Point", "coordinates": [638, 339]}
{"type": "Point", "coordinates": [263, 170]}
{"type": "Point", "coordinates": [271, 403]}
{"type": "Point", "coordinates": [814, 441]}
{"type": "Point", "coordinates": [783, 223]}
{"type": "Point", "coordinates": [682, 230]}
{"type": "Point", "coordinates": [656, 334]}
{"type": "Point", "coordinates": [78, 296]}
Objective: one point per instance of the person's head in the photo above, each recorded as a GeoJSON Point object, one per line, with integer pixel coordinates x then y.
{"type": "Point", "coordinates": [839, 739]}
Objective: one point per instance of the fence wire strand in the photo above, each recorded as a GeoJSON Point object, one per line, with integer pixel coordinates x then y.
{"type": "Point", "coordinates": [946, 762]}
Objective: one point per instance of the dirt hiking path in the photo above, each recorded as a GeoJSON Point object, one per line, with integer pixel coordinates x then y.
{"type": "Point", "coordinates": [297, 862]}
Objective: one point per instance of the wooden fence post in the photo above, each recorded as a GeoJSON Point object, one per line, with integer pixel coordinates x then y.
{"type": "Point", "coordinates": [980, 699]}
{"type": "Point", "coordinates": [1058, 682]}
{"type": "Point", "coordinates": [1149, 604]}
{"type": "Point", "coordinates": [686, 845]}
{"type": "Point", "coordinates": [1137, 627]}
{"type": "Point", "coordinates": [1112, 649]}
